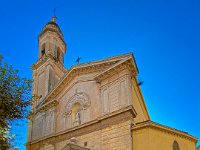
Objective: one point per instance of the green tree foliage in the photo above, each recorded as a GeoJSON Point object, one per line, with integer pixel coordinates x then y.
{"type": "Point", "coordinates": [14, 100]}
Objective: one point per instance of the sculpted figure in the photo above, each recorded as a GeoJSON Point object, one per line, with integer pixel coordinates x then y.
{"type": "Point", "coordinates": [77, 120]}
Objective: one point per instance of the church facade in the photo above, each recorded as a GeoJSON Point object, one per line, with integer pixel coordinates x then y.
{"type": "Point", "coordinates": [92, 106]}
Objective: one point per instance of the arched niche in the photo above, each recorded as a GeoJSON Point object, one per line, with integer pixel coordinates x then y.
{"type": "Point", "coordinates": [76, 114]}
{"type": "Point", "coordinates": [77, 110]}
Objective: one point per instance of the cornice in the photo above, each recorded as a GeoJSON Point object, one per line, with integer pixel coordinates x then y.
{"type": "Point", "coordinates": [52, 30]}
{"type": "Point", "coordinates": [127, 63]}
{"type": "Point", "coordinates": [128, 108]}
{"type": "Point", "coordinates": [47, 106]}
{"type": "Point", "coordinates": [44, 59]}
{"type": "Point", "coordinates": [107, 60]}
{"type": "Point", "coordinates": [162, 128]}
{"type": "Point", "coordinates": [43, 108]}
{"type": "Point", "coordinates": [39, 62]}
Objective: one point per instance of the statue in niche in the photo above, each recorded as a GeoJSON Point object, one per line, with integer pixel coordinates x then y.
{"type": "Point", "coordinates": [77, 120]}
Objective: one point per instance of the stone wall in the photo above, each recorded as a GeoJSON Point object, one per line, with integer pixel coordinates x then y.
{"type": "Point", "coordinates": [115, 137]}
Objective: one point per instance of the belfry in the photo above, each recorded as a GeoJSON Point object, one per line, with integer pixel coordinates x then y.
{"type": "Point", "coordinates": [92, 106]}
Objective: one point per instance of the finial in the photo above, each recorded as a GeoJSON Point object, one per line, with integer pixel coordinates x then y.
{"type": "Point", "coordinates": [54, 15]}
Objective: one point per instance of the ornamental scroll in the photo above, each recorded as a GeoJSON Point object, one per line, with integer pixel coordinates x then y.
{"type": "Point", "coordinates": [81, 98]}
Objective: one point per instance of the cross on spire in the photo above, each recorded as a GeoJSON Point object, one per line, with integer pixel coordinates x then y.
{"type": "Point", "coordinates": [54, 12]}
{"type": "Point", "coordinates": [54, 15]}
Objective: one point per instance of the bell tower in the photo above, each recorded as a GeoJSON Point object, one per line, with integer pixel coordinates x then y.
{"type": "Point", "coordinates": [51, 41]}
{"type": "Point", "coordinates": [49, 68]}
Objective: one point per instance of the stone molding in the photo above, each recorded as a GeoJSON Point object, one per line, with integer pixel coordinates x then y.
{"type": "Point", "coordinates": [43, 108]}
{"type": "Point", "coordinates": [116, 68]}
{"type": "Point", "coordinates": [47, 106]}
{"type": "Point", "coordinates": [39, 62]}
{"type": "Point", "coordinates": [54, 31]}
{"type": "Point", "coordinates": [44, 59]}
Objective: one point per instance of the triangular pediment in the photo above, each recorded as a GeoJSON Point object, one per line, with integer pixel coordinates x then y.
{"type": "Point", "coordinates": [102, 69]}
{"type": "Point", "coordinates": [98, 66]}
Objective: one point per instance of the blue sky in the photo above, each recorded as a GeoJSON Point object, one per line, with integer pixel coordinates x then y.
{"type": "Point", "coordinates": [162, 34]}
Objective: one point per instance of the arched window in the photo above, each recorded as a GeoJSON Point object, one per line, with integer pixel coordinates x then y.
{"type": "Point", "coordinates": [76, 114]}
{"type": "Point", "coordinates": [43, 50]}
{"type": "Point", "coordinates": [176, 146]}
{"type": "Point", "coordinates": [58, 54]}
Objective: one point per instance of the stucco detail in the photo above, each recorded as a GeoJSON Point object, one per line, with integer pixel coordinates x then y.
{"type": "Point", "coordinates": [81, 98]}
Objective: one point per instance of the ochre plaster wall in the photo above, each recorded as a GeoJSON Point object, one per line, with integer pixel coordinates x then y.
{"type": "Point", "coordinates": [154, 139]}
{"type": "Point", "coordinates": [138, 104]}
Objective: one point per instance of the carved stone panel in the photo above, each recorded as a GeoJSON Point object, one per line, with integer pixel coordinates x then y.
{"type": "Point", "coordinates": [105, 100]}
{"type": "Point", "coordinates": [114, 96]}
{"type": "Point", "coordinates": [41, 85]}
{"type": "Point", "coordinates": [49, 126]}
{"type": "Point", "coordinates": [38, 127]}
{"type": "Point", "coordinates": [122, 92]}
